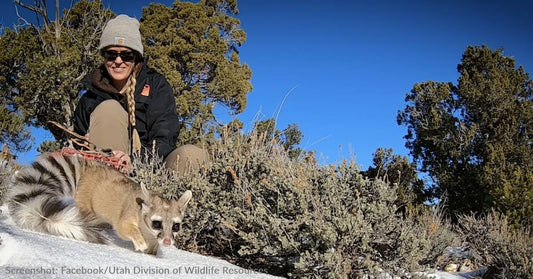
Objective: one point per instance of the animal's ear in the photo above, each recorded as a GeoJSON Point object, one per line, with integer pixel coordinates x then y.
{"type": "Point", "coordinates": [145, 191]}
{"type": "Point", "coordinates": [184, 199]}
{"type": "Point", "coordinates": [145, 207]}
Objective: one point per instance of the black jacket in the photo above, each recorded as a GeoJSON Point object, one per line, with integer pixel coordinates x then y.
{"type": "Point", "coordinates": [155, 114]}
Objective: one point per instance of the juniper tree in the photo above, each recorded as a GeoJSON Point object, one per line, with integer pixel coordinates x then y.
{"type": "Point", "coordinates": [196, 47]}
{"type": "Point", "coordinates": [45, 64]}
{"type": "Point", "coordinates": [12, 125]}
{"type": "Point", "coordinates": [475, 138]}
{"type": "Point", "coordinates": [288, 138]}
{"type": "Point", "coordinates": [396, 169]}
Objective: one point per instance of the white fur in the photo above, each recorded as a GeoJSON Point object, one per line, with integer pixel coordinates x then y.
{"type": "Point", "coordinates": [67, 223]}
{"type": "Point", "coordinates": [29, 214]}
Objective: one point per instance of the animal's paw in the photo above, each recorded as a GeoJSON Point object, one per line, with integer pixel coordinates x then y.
{"type": "Point", "coordinates": [140, 245]}
{"type": "Point", "coordinates": [152, 250]}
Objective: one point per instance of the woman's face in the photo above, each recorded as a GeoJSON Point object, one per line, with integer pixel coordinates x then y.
{"type": "Point", "coordinates": [119, 63]}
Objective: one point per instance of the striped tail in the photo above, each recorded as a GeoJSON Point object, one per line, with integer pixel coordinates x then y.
{"type": "Point", "coordinates": [42, 199]}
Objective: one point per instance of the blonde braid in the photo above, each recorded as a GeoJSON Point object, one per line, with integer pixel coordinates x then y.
{"type": "Point", "coordinates": [129, 90]}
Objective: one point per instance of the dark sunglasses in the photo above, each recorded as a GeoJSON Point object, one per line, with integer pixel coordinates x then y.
{"type": "Point", "coordinates": [127, 56]}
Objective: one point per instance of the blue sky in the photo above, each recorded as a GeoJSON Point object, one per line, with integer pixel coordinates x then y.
{"type": "Point", "coordinates": [345, 66]}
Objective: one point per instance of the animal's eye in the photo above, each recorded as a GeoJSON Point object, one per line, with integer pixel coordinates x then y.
{"type": "Point", "coordinates": [176, 227]}
{"type": "Point", "coordinates": [156, 225]}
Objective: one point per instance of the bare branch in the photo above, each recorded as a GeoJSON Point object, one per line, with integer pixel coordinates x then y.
{"type": "Point", "coordinates": [20, 18]}
{"type": "Point", "coordinates": [58, 26]}
{"type": "Point", "coordinates": [29, 7]}
{"type": "Point", "coordinates": [38, 9]}
{"type": "Point", "coordinates": [45, 13]}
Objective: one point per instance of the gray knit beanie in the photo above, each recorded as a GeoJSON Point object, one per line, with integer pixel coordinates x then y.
{"type": "Point", "coordinates": [122, 31]}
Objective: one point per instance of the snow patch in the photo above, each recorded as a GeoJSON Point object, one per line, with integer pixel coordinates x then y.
{"type": "Point", "coordinates": [26, 254]}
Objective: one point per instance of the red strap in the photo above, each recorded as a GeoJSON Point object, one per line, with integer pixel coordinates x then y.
{"type": "Point", "coordinates": [93, 156]}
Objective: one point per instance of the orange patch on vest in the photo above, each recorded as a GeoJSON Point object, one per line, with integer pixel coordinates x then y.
{"type": "Point", "coordinates": [146, 90]}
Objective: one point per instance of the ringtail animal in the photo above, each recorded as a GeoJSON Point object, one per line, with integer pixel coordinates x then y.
{"type": "Point", "coordinates": [70, 197]}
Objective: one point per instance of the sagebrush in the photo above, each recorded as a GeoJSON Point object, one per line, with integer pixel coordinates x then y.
{"type": "Point", "coordinates": [506, 251]}
{"type": "Point", "coordinates": [6, 170]}
{"type": "Point", "coordinates": [254, 206]}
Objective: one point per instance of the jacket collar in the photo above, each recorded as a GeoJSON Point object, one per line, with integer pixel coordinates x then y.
{"type": "Point", "coordinates": [99, 81]}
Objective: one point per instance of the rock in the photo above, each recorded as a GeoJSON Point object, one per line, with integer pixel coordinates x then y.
{"type": "Point", "coordinates": [451, 267]}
